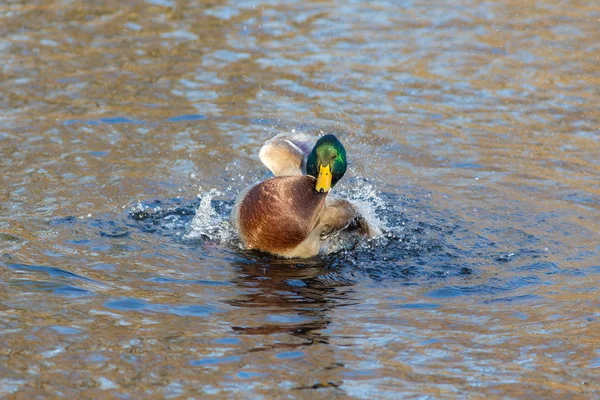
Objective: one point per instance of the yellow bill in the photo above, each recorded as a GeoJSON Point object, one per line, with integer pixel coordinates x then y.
{"type": "Point", "coordinates": [324, 179]}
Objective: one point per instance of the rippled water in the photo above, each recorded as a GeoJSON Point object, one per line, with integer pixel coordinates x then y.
{"type": "Point", "coordinates": [127, 129]}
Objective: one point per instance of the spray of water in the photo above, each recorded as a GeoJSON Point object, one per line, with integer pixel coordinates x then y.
{"type": "Point", "coordinates": [208, 223]}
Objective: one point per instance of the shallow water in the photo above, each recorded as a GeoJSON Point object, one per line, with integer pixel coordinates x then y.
{"type": "Point", "coordinates": [128, 128]}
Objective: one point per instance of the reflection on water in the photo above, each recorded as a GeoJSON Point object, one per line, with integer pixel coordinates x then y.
{"type": "Point", "coordinates": [286, 292]}
{"type": "Point", "coordinates": [128, 129]}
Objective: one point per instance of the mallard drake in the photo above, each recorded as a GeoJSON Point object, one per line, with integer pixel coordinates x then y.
{"type": "Point", "coordinates": [291, 215]}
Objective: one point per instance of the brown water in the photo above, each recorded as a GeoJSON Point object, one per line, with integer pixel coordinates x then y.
{"type": "Point", "coordinates": [473, 134]}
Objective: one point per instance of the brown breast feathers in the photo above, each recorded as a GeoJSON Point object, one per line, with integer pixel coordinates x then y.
{"type": "Point", "coordinates": [278, 214]}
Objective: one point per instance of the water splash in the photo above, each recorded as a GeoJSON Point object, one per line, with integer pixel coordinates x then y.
{"type": "Point", "coordinates": [370, 204]}
{"type": "Point", "coordinates": [141, 210]}
{"type": "Point", "coordinates": [207, 220]}
{"type": "Point", "coordinates": [208, 223]}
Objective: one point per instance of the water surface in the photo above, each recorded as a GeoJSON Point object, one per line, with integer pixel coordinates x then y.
{"type": "Point", "coordinates": [128, 128]}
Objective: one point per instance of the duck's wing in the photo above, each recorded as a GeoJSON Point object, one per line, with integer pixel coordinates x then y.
{"type": "Point", "coordinates": [341, 215]}
{"type": "Point", "coordinates": [286, 153]}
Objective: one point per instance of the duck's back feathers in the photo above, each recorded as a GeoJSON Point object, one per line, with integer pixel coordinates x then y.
{"type": "Point", "coordinates": [338, 215]}
{"type": "Point", "coordinates": [343, 215]}
{"type": "Point", "coordinates": [285, 154]}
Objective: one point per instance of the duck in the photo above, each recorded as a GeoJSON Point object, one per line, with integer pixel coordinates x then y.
{"type": "Point", "coordinates": [292, 214]}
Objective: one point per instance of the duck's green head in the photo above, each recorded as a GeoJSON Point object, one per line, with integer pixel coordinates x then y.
{"type": "Point", "coordinates": [327, 163]}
